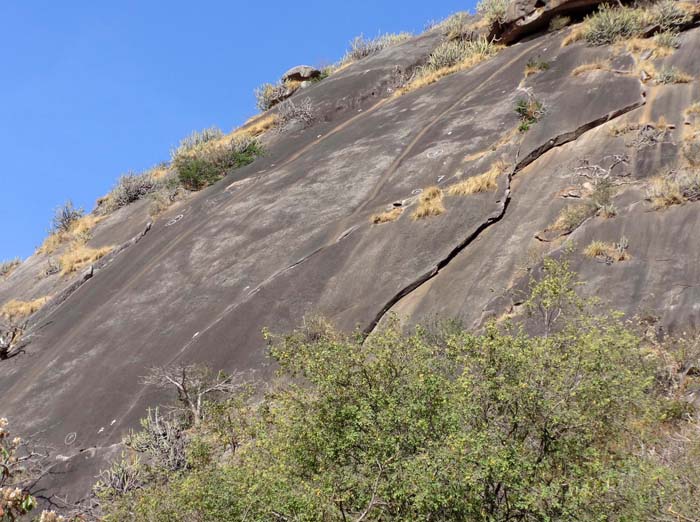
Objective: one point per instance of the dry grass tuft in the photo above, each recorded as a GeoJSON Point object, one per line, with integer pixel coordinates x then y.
{"type": "Point", "coordinates": [449, 58]}
{"type": "Point", "coordinates": [674, 188]}
{"type": "Point", "coordinates": [534, 66]}
{"type": "Point", "coordinates": [693, 110]}
{"type": "Point", "coordinates": [571, 218]}
{"type": "Point", "coordinates": [598, 65]}
{"type": "Point", "coordinates": [481, 183]}
{"type": "Point", "coordinates": [386, 217]}
{"type": "Point", "coordinates": [577, 33]}
{"type": "Point", "coordinates": [653, 45]}
{"type": "Point", "coordinates": [429, 203]}
{"type": "Point", "coordinates": [79, 256]}
{"type": "Point", "coordinates": [257, 126]}
{"type": "Point", "coordinates": [670, 75]}
{"type": "Point", "coordinates": [620, 130]}
{"type": "Point", "coordinates": [80, 230]}
{"type": "Point", "coordinates": [611, 252]}
{"type": "Point", "coordinates": [7, 267]}
{"type": "Point", "coordinates": [14, 310]}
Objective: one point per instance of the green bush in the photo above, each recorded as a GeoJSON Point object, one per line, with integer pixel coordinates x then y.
{"type": "Point", "coordinates": [537, 421]}
{"type": "Point", "coordinates": [493, 10]}
{"type": "Point", "coordinates": [530, 111]}
{"type": "Point", "coordinates": [201, 166]}
{"type": "Point", "coordinates": [610, 24]}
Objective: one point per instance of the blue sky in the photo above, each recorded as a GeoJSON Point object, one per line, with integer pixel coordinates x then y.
{"type": "Point", "coordinates": [90, 89]}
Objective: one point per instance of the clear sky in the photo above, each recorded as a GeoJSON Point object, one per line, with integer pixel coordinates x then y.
{"type": "Point", "coordinates": [90, 89]}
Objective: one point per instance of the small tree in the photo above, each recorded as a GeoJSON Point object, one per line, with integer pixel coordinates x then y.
{"type": "Point", "coordinates": [195, 386]}
{"type": "Point", "coordinates": [64, 216]}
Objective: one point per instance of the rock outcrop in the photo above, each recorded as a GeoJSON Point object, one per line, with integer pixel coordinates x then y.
{"type": "Point", "coordinates": [291, 234]}
{"type": "Point", "coordinates": [301, 73]}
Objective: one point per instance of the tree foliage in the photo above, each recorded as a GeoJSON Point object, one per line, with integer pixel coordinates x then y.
{"type": "Point", "coordinates": [538, 420]}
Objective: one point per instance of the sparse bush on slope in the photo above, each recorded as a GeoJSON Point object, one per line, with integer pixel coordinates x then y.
{"type": "Point", "coordinates": [65, 216]}
{"type": "Point", "coordinates": [493, 10]}
{"type": "Point", "coordinates": [361, 47]}
{"type": "Point", "coordinates": [444, 424]}
{"type": "Point", "coordinates": [612, 24]}
{"type": "Point", "coordinates": [449, 57]}
{"type": "Point", "coordinates": [201, 163]}
{"type": "Point", "coordinates": [7, 267]}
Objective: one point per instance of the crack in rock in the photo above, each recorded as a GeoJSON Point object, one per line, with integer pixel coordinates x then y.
{"type": "Point", "coordinates": [500, 213]}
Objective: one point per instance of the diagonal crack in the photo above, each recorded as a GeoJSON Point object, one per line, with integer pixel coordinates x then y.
{"type": "Point", "coordinates": [501, 212]}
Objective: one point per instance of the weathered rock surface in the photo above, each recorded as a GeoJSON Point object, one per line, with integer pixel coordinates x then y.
{"type": "Point", "coordinates": [528, 16]}
{"type": "Point", "coordinates": [291, 235]}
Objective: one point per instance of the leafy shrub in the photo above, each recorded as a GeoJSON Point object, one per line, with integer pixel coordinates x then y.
{"type": "Point", "coordinates": [493, 10]}
{"type": "Point", "coordinates": [669, 75]}
{"type": "Point", "coordinates": [558, 420]}
{"type": "Point", "coordinates": [202, 165]}
{"type": "Point", "coordinates": [65, 216]}
{"type": "Point", "coordinates": [559, 22]}
{"type": "Point", "coordinates": [668, 15]}
{"type": "Point", "coordinates": [21, 465]}
{"type": "Point", "coordinates": [610, 24]}
{"type": "Point", "coordinates": [530, 111]}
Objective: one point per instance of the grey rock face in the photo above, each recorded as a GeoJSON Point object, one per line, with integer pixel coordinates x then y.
{"type": "Point", "coordinates": [301, 73]}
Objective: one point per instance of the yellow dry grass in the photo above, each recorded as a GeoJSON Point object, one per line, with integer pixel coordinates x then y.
{"type": "Point", "coordinates": [15, 310]}
{"type": "Point", "coordinates": [693, 110]}
{"type": "Point", "coordinates": [642, 45]}
{"type": "Point", "coordinates": [506, 138]}
{"type": "Point", "coordinates": [158, 172]}
{"type": "Point", "coordinates": [597, 65]}
{"type": "Point", "coordinates": [79, 256]}
{"type": "Point", "coordinates": [606, 250]}
{"type": "Point", "coordinates": [429, 203]}
{"type": "Point", "coordinates": [386, 217]}
{"type": "Point", "coordinates": [256, 126]}
{"type": "Point", "coordinates": [576, 33]}
{"type": "Point", "coordinates": [432, 76]}
{"type": "Point", "coordinates": [80, 230]}
{"type": "Point", "coordinates": [665, 192]}
{"type": "Point", "coordinates": [692, 8]}
{"type": "Point", "coordinates": [481, 183]}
